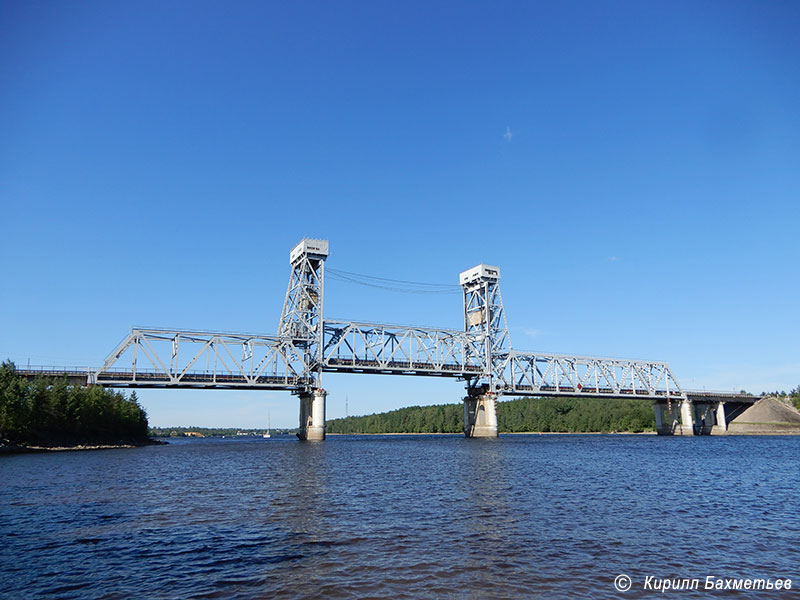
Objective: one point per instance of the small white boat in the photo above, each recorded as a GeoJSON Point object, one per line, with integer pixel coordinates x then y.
{"type": "Point", "coordinates": [266, 435]}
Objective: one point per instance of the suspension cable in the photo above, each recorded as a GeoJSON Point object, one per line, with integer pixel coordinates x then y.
{"type": "Point", "coordinates": [394, 285]}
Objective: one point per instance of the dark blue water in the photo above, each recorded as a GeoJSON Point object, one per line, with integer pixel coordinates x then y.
{"type": "Point", "coordinates": [400, 517]}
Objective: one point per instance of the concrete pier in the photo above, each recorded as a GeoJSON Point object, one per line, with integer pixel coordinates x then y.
{"type": "Point", "coordinates": [705, 417]}
{"type": "Point", "coordinates": [668, 417]}
{"type": "Point", "coordinates": [674, 418]}
{"type": "Point", "coordinates": [660, 410]}
{"type": "Point", "coordinates": [687, 418]}
{"type": "Point", "coordinates": [480, 416]}
{"type": "Point", "coordinates": [695, 416]}
{"type": "Point", "coordinates": [721, 425]}
{"type": "Point", "coordinates": [312, 415]}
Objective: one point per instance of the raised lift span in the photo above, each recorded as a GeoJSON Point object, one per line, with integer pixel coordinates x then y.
{"type": "Point", "coordinates": [481, 355]}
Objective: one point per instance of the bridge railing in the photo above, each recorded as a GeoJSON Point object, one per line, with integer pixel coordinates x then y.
{"type": "Point", "coordinates": [722, 394]}
{"type": "Point", "coordinates": [49, 370]}
{"type": "Point", "coordinates": [719, 393]}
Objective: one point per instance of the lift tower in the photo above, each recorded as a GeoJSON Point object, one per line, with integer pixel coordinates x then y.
{"type": "Point", "coordinates": [300, 332]}
{"type": "Point", "coordinates": [487, 342]}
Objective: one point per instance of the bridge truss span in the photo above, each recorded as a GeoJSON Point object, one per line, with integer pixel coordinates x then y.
{"type": "Point", "coordinates": [308, 345]}
{"type": "Point", "coordinates": [399, 349]}
{"type": "Point", "coordinates": [199, 359]}
{"type": "Point", "coordinates": [528, 373]}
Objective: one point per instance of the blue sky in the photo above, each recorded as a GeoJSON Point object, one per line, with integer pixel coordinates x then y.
{"type": "Point", "coordinates": [158, 160]}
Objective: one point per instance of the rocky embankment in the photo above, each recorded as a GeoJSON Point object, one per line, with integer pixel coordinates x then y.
{"type": "Point", "coordinates": [7, 447]}
{"type": "Point", "coordinates": [768, 416]}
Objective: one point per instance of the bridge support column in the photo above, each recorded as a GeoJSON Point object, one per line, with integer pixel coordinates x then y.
{"type": "Point", "coordinates": [667, 417]}
{"type": "Point", "coordinates": [705, 417]}
{"type": "Point", "coordinates": [658, 409]}
{"type": "Point", "coordinates": [312, 415]}
{"type": "Point", "coordinates": [687, 418]}
{"type": "Point", "coordinates": [721, 425]}
{"type": "Point", "coordinates": [480, 416]}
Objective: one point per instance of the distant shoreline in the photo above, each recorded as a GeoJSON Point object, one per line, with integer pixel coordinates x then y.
{"type": "Point", "coordinates": [461, 433]}
{"type": "Point", "coordinates": [729, 433]}
{"type": "Point", "coordinates": [579, 433]}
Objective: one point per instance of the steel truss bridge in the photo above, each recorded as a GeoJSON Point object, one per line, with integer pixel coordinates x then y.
{"type": "Point", "coordinates": [307, 345]}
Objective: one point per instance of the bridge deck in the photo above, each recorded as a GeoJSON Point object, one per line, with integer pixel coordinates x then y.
{"type": "Point", "coordinates": [202, 380]}
{"type": "Point", "coordinates": [720, 396]}
{"type": "Point", "coordinates": [73, 375]}
{"type": "Point", "coordinates": [121, 378]}
{"type": "Point", "coordinates": [397, 367]}
{"type": "Point", "coordinates": [196, 380]}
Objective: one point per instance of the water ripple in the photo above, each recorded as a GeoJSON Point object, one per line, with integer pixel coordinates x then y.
{"type": "Point", "coordinates": [397, 516]}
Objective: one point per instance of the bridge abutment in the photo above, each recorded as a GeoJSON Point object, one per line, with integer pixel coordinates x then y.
{"type": "Point", "coordinates": [480, 416]}
{"type": "Point", "coordinates": [312, 415]}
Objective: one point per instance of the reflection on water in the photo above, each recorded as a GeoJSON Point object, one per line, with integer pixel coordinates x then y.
{"type": "Point", "coordinates": [397, 516]}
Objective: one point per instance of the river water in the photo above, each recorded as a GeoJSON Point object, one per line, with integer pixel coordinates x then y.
{"type": "Point", "coordinates": [522, 516]}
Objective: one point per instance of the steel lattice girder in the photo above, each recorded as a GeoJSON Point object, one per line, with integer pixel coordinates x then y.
{"type": "Point", "coordinates": [306, 345]}
{"type": "Point", "coordinates": [554, 374]}
{"type": "Point", "coordinates": [374, 347]}
{"type": "Point", "coordinates": [164, 357]}
{"type": "Point", "coordinates": [192, 359]}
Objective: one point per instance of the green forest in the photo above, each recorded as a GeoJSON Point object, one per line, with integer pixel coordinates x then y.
{"type": "Point", "coordinates": [50, 412]}
{"type": "Point", "coordinates": [567, 415]}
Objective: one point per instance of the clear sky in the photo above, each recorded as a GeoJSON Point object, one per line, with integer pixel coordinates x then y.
{"type": "Point", "coordinates": [632, 167]}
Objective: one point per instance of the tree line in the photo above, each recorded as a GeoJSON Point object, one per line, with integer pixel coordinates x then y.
{"type": "Point", "coordinates": [225, 432]}
{"type": "Point", "coordinates": [566, 415]}
{"type": "Point", "coordinates": [48, 411]}
{"type": "Point", "coordinates": [793, 396]}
